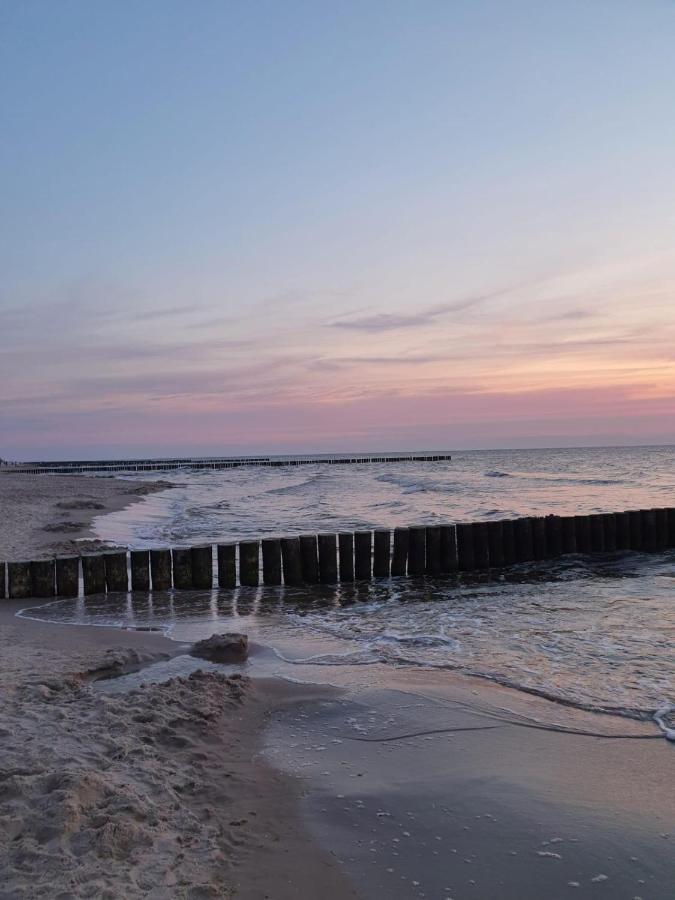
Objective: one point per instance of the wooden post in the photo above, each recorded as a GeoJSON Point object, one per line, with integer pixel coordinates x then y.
{"type": "Point", "coordinates": [399, 561]}
{"type": "Point", "coordinates": [381, 553]}
{"type": "Point", "coordinates": [140, 570]}
{"type": "Point", "coordinates": [93, 574]}
{"type": "Point", "coordinates": [363, 560]}
{"type": "Point", "coordinates": [448, 548]}
{"type": "Point", "coordinates": [539, 537]}
{"type": "Point", "coordinates": [417, 550]}
{"type": "Point", "coordinates": [182, 568]}
{"type": "Point", "coordinates": [597, 533]}
{"type": "Point", "coordinates": [481, 545]}
{"type": "Point", "coordinates": [635, 525]}
{"type": "Point", "coordinates": [583, 529]}
{"type": "Point", "coordinates": [309, 556]}
{"type": "Point", "coordinates": [346, 548]}
{"type": "Point", "coordinates": [509, 534]}
{"type": "Point", "coordinates": [116, 578]}
{"type": "Point", "coordinates": [328, 567]}
{"type": "Point", "coordinates": [290, 560]}
{"type": "Point", "coordinates": [609, 524]}
{"type": "Point", "coordinates": [465, 555]}
{"type": "Point", "coordinates": [554, 536]}
{"type": "Point", "coordinates": [160, 569]}
{"type": "Point", "coordinates": [3, 569]}
{"type": "Point", "coordinates": [271, 559]}
{"type": "Point", "coordinates": [524, 539]}
{"type": "Point", "coordinates": [20, 582]}
{"type": "Point", "coordinates": [569, 534]}
{"type": "Point", "coordinates": [496, 543]}
{"type": "Point", "coordinates": [67, 576]}
{"type": "Point", "coordinates": [227, 565]}
{"type": "Point", "coordinates": [648, 517]}
{"type": "Point", "coordinates": [433, 552]}
{"type": "Point", "coordinates": [661, 528]}
{"type": "Point", "coordinates": [622, 530]}
{"type": "Point", "coordinates": [249, 561]}
{"type": "Point", "coordinates": [42, 574]}
{"type": "Point", "coordinates": [671, 526]}
{"type": "Point", "coordinates": [202, 567]}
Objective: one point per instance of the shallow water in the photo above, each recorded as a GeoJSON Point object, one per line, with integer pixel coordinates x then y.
{"type": "Point", "coordinates": [596, 633]}
{"type": "Point", "coordinates": [211, 506]}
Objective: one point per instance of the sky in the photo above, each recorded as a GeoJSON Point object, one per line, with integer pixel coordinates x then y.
{"type": "Point", "coordinates": [234, 227]}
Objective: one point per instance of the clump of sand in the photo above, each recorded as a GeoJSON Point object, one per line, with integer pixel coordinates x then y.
{"type": "Point", "coordinates": [112, 796]}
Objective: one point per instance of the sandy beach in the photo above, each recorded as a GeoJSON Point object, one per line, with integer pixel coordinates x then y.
{"type": "Point", "coordinates": [47, 514]}
{"type": "Point", "coordinates": [414, 784]}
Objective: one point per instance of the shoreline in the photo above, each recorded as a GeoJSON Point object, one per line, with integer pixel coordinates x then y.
{"type": "Point", "coordinates": [293, 789]}
{"type": "Point", "coordinates": [44, 515]}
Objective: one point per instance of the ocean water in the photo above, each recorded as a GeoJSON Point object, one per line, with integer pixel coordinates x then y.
{"type": "Point", "coordinates": [596, 633]}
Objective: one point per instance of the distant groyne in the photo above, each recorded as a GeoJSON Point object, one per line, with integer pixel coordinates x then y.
{"type": "Point", "coordinates": [95, 467]}
{"type": "Point", "coordinates": [360, 556]}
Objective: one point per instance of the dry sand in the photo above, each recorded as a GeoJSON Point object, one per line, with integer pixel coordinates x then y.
{"type": "Point", "coordinates": [45, 514]}
{"type": "Point", "coordinates": [159, 793]}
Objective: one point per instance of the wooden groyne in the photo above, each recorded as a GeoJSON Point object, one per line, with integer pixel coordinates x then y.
{"type": "Point", "coordinates": [102, 467]}
{"type": "Point", "coordinates": [431, 550]}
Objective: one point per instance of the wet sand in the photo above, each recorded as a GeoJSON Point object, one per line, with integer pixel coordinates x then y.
{"type": "Point", "coordinates": [47, 514]}
{"type": "Point", "coordinates": [389, 782]}
{"type": "Point", "coordinates": [160, 793]}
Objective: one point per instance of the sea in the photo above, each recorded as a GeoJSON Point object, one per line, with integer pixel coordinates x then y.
{"type": "Point", "coordinates": [597, 633]}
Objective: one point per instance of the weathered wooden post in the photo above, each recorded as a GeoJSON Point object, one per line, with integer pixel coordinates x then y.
{"type": "Point", "coordinates": [3, 569]}
{"type": "Point", "coordinates": [509, 535]}
{"type": "Point", "coordinates": [160, 569]}
{"type": "Point", "coordinates": [116, 578]}
{"type": "Point", "coordinates": [328, 567]}
{"type": "Point", "coordinates": [290, 560]}
{"type": "Point", "coordinates": [309, 556]}
{"type": "Point", "coordinates": [271, 560]}
{"type": "Point", "coordinates": [481, 545]}
{"type": "Point", "coordinates": [42, 573]}
{"type": "Point", "coordinates": [569, 534]}
{"type": "Point", "coordinates": [20, 582]}
{"type": "Point", "coordinates": [496, 543]}
{"type": "Point", "coordinates": [67, 576]}
{"type": "Point", "coordinates": [635, 524]}
{"type": "Point", "coordinates": [381, 553]}
{"type": "Point", "coordinates": [227, 565]}
{"type": "Point", "coordinates": [465, 554]}
{"type": "Point", "coordinates": [182, 568]}
{"type": "Point", "coordinates": [140, 570]}
{"type": "Point", "coordinates": [609, 525]}
{"type": "Point", "coordinates": [363, 550]}
{"type": "Point", "coordinates": [671, 526]}
{"type": "Point", "coordinates": [597, 533]}
{"type": "Point", "coordinates": [539, 537]}
{"type": "Point", "coordinates": [249, 562]}
{"type": "Point", "coordinates": [417, 550]}
{"type": "Point", "coordinates": [661, 515]}
{"type": "Point", "coordinates": [202, 567]}
{"type": "Point", "coordinates": [583, 529]}
{"type": "Point", "coordinates": [622, 530]}
{"type": "Point", "coordinates": [399, 561]}
{"type": "Point", "coordinates": [433, 550]}
{"type": "Point", "coordinates": [93, 574]}
{"type": "Point", "coordinates": [554, 536]}
{"type": "Point", "coordinates": [524, 539]}
{"type": "Point", "coordinates": [346, 549]}
{"type": "Point", "coordinates": [448, 548]}
{"type": "Point", "coordinates": [648, 517]}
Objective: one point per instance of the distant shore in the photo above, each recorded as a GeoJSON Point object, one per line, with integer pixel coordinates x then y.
{"type": "Point", "coordinates": [47, 514]}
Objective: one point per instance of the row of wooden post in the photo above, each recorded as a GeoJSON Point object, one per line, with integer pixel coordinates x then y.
{"type": "Point", "coordinates": [345, 557]}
